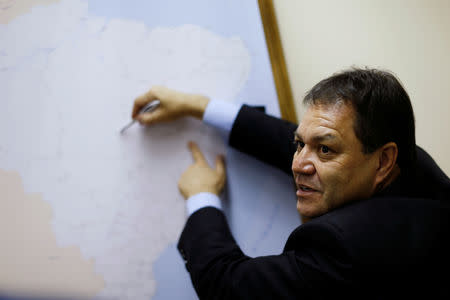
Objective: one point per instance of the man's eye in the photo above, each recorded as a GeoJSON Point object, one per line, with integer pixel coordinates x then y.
{"type": "Point", "coordinates": [299, 144]}
{"type": "Point", "coordinates": [324, 149]}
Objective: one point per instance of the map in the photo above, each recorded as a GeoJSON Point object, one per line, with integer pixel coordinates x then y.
{"type": "Point", "coordinates": [92, 213]}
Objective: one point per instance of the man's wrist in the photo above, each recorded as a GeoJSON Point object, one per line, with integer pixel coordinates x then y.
{"type": "Point", "coordinates": [196, 105]}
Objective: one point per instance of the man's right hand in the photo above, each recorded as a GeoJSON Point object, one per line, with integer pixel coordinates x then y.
{"type": "Point", "coordinates": [174, 105]}
{"type": "Point", "coordinates": [200, 177]}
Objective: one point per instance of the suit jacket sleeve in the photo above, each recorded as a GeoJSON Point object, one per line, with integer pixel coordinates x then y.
{"type": "Point", "coordinates": [220, 270]}
{"type": "Point", "coordinates": [264, 137]}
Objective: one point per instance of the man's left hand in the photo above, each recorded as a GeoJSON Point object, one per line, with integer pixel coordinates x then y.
{"type": "Point", "coordinates": [200, 177]}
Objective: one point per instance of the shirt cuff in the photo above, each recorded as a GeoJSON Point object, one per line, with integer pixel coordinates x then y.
{"type": "Point", "coordinates": [201, 200]}
{"type": "Point", "coordinates": [221, 114]}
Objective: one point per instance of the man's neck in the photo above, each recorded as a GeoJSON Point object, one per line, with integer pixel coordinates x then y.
{"type": "Point", "coordinates": [305, 219]}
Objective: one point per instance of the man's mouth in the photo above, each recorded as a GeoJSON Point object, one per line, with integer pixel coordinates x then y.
{"type": "Point", "coordinates": [304, 190]}
{"type": "Point", "coordinates": [304, 187]}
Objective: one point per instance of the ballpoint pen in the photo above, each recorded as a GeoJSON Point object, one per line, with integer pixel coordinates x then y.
{"type": "Point", "coordinates": [147, 108]}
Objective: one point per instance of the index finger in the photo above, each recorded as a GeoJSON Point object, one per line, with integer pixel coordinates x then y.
{"type": "Point", "coordinates": [197, 155]}
{"type": "Point", "coordinates": [141, 101]}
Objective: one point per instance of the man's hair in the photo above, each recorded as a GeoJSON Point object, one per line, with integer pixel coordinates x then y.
{"type": "Point", "coordinates": [383, 109]}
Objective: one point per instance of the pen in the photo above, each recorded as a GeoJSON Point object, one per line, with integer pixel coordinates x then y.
{"type": "Point", "coordinates": [147, 108]}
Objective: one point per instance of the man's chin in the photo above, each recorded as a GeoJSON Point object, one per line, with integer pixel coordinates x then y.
{"type": "Point", "coordinates": [307, 209]}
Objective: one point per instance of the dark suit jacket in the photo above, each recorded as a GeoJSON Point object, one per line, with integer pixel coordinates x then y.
{"type": "Point", "coordinates": [393, 245]}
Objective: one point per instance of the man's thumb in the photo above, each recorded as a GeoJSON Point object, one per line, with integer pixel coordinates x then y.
{"type": "Point", "coordinates": [220, 165]}
{"type": "Point", "coordinates": [149, 118]}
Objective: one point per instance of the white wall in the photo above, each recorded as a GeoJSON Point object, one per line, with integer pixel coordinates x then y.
{"type": "Point", "coordinates": [409, 38]}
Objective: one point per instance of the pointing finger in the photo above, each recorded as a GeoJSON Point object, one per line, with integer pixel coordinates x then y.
{"type": "Point", "coordinates": [197, 155]}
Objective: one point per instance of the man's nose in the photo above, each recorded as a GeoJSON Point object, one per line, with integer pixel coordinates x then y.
{"type": "Point", "coordinates": [302, 163]}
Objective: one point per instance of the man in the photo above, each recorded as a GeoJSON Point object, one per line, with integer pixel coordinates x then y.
{"type": "Point", "coordinates": [379, 210]}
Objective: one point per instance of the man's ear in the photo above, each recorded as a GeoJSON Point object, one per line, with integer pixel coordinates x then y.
{"type": "Point", "coordinates": [387, 160]}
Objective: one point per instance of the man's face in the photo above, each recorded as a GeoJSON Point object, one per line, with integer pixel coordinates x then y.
{"type": "Point", "coordinates": [329, 167]}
